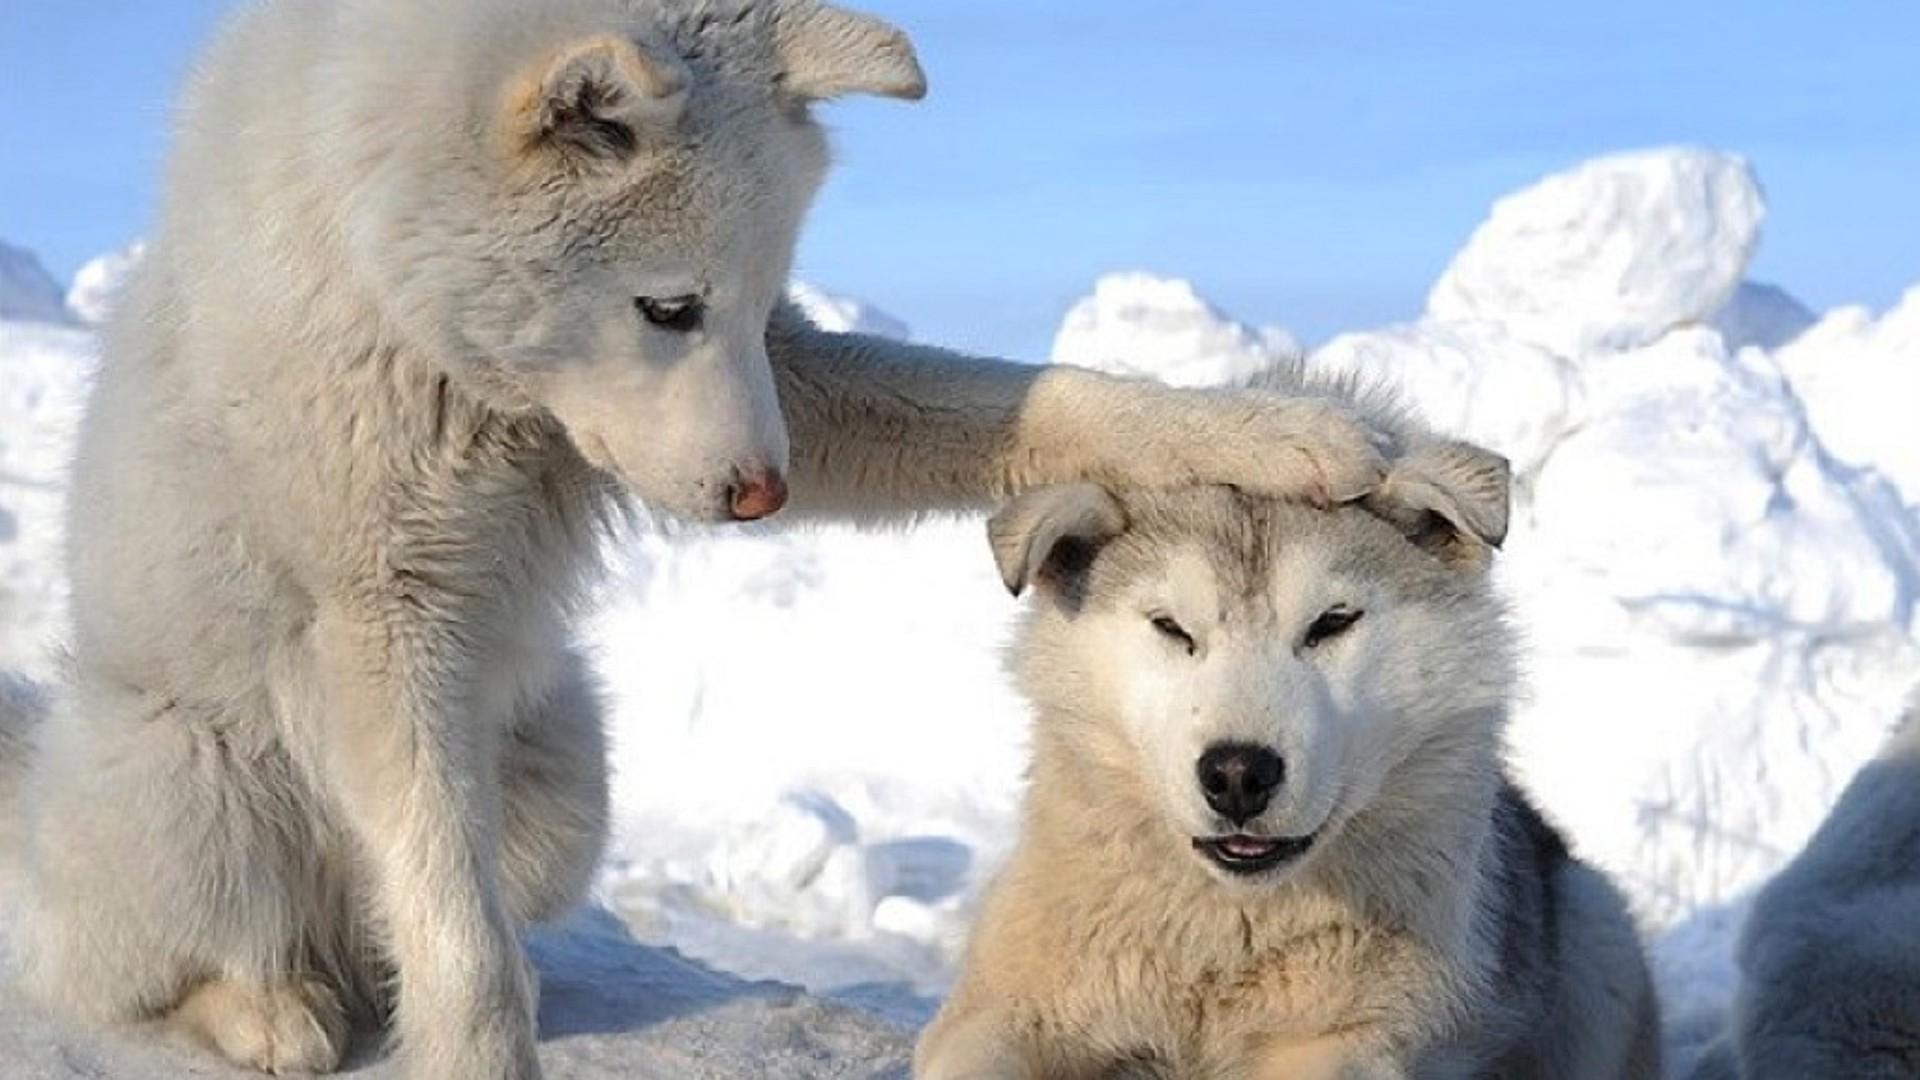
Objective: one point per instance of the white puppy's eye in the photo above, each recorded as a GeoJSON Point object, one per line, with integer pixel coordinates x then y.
{"type": "Point", "coordinates": [1173, 632]}
{"type": "Point", "coordinates": [1331, 624]}
{"type": "Point", "coordinates": [681, 314]}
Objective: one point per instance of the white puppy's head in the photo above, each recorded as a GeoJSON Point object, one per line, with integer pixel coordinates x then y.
{"type": "Point", "coordinates": [605, 232]}
{"type": "Point", "coordinates": [1253, 676]}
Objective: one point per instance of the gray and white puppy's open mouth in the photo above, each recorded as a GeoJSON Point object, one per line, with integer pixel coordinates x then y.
{"type": "Point", "coordinates": [1242, 854]}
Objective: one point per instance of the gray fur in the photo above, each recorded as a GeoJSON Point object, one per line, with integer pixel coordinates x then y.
{"type": "Point", "coordinates": [367, 410]}
{"type": "Point", "coordinates": [1437, 927]}
{"type": "Point", "coordinates": [1830, 954]}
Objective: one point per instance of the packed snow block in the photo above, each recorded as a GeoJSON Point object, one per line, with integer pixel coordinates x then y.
{"type": "Point", "coordinates": [1143, 326]}
{"type": "Point", "coordinates": [609, 1008]}
{"type": "Point", "coordinates": [1829, 960]}
{"type": "Point", "coordinates": [1610, 254]}
{"type": "Point", "coordinates": [27, 292]}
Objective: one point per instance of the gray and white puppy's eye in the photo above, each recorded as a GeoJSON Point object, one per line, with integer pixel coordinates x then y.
{"type": "Point", "coordinates": [1330, 624]}
{"type": "Point", "coordinates": [1173, 631]}
{"type": "Point", "coordinates": [681, 314]}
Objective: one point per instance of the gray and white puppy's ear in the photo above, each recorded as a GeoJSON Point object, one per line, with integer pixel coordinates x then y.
{"type": "Point", "coordinates": [1448, 497]}
{"type": "Point", "coordinates": [825, 52]}
{"type": "Point", "coordinates": [595, 101]}
{"type": "Point", "coordinates": [1048, 534]}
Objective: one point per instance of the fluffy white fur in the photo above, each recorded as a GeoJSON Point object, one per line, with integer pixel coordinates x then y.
{"type": "Point", "coordinates": [414, 324]}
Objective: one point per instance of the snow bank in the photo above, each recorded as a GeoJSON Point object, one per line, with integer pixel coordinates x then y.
{"type": "Point", "coordinates": [1714, 560]}
{"type": "Point", "coordinates": [608, 1009]}
{"type": "Point", "coordinates": [1610, 254]}
{"type": "Point", "coordinates": [27, 292]}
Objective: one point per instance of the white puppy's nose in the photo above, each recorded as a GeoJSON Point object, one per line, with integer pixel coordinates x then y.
{"type": "Point", "coordinates": [756, 493]}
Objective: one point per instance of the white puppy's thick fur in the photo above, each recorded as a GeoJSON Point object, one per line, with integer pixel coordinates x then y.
{"type": "Point", "coordinates": [435, 287]}
{"type": "Point", "coordinates": [1830, 955]}
{"type": "Point", "coordinates": [1395, 909]}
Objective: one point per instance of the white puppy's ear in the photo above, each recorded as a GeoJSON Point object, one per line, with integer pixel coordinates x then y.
{"type": "Point", "coordinates": [596, 100]}
{"type": "Point", "coordinates": [1450, 498]}
{"type": "Point", "coordinates": [825, 52]}
{"type": "Point", "coordinates": [1047, 535]}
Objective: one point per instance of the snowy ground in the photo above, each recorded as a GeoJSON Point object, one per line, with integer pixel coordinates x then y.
{"type": "Point", "coordinates": [1715, 559]}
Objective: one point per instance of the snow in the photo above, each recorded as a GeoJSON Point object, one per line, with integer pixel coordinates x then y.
{"type": "Point", "coordinates": [43, 376]}
{"type": "Point", "coordinates": [609, 1010]}
{"type": "Point", "coordinates": [96, 286]}
{"type": "Point", "coordinates": [1610, 254]}
{"type": "Point", "coordinates": [1141, 325]}
{"type": "Point", "coordinates": [1850, 349]}
{"type": "Point", "coordinates": [843, 314]}
{"type": "Point", "coordinates": [1714, 560]}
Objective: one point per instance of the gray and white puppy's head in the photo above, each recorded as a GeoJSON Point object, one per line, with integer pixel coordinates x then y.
{"type": "Point", "coordinates": [606, 233]}
{"type": "Point", "coordinates": [1262, 674]}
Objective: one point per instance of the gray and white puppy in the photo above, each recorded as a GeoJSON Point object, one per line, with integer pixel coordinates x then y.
{"type": "Point", "coordinates": [1268, 832]}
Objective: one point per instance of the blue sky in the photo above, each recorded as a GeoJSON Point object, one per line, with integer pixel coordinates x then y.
{"type": "Point", "coordinates": [1311, 165]}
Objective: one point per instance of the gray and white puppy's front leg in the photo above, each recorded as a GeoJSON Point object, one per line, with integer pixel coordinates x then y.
{"type": "Point", "coordinates": [972, 1044]}
{"type": "Point", "coordinates": [883, 427]}
{"type": "Point", "coordinates": [414, 768]}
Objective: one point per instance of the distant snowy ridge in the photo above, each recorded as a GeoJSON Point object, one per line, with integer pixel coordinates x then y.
{"type": "Point", "coordinates": [27, 292]}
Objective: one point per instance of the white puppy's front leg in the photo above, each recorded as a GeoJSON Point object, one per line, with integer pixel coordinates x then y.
{"type": "Point", "coordinates": [415, 770]}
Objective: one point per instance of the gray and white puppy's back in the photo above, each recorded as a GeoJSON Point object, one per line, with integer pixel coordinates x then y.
{"type": "Point", "coordinates": [1829, 957]}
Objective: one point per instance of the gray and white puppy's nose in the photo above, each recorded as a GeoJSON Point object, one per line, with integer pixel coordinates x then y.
{"type": "Point", "coordinates": [756, 493]}
{"type": "Point", "coordinates": [1239, 779]}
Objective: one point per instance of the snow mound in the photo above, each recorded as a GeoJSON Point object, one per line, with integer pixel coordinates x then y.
{"type": "Point", "coordinates": [609, 1008]}
{"type": "Point", "coordinates": [1718, 617]}
{"type": "Point", "coordinates": [1609, 254]}
{"type": "Point", "coordinates": [845, 315]}
{"type": "Point", "coordinates": [27, 292]}
{"type": "Point", "coordinates": [1141, 325]}
{"type": "Point", "coordinates": [1470, 380]}
{"type": "Point", "coordinates": [97, 285]}
{"type": "Point", "coordinates": [1860, 379]}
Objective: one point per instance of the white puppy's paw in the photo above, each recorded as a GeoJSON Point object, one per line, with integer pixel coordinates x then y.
{"type": "Point", "coordinates": [1298, 448]}
{"type": "Point", "coordinates": [297, 1026]}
